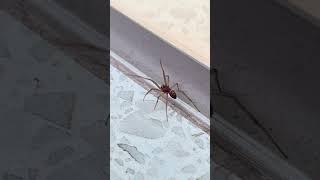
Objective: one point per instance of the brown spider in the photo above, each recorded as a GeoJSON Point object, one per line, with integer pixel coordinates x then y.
{"type": "Point", "coordinates": [166, 89]}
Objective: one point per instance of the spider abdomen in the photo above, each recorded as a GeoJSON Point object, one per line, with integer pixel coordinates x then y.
{"type": "Point", "coordinates": [173, 94]}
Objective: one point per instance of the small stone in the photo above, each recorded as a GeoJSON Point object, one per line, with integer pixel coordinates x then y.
{"type": "Point", "coordinates": [178, 131]}
{"type": "Point", "coordinates": [198, 134]}
{"type": "Point", "coordinates": [138, 125]}
{"type": "Point", "coordinates": [199, 142]}
{"type": "Point", "coordinates": [124, 140]}
{"type": "Point", "coordinates": [147, 106]}
{"type": "Point", "coordinates": [126, 95]}
{"type": "Point", "coordinates": [124, 105]}
{"type": "Point", "coordinates": [127, 111]}
{"type": "Point", "coordinates": [204, 177]}
{"type": "Point", "coordinates": [189, 169]}
{"type": "Point", "coordinates": [179, 117]}
{"type": "Point", "coordinates": [157, 150]}
{"type": "Point", "coordinates": [133, 152]}
{"type": "Point", "coordinates": [176, 149]}
{"type": "Point", "coordinates": [119, 161]}
{"type": "Point", "coordinates": [156, 121]}
{"type": "Point", "coordinates": [130, 171]}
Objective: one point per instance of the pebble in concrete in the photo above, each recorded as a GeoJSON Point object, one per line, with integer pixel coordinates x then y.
{"type": "Point", "coordinates": [137, 125]}
{"type": "Point", "coordinates": [134, 153]}
{"type": "Point", "coordinates": [189, 169]}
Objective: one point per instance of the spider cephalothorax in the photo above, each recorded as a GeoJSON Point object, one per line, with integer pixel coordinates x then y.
{"type": "Point", "coordinates": [166, 89]}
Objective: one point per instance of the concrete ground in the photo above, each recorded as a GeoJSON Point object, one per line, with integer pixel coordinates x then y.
{"type": "Point", "coordinates": [269, 58]}
{"type": "Point", "coordinates": [144, 145]}
{"type": "Point", "coordinates": [52, 111]}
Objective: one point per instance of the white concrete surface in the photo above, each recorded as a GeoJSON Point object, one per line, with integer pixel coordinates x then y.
{"type": "Point", "coordinates": [144, 144]}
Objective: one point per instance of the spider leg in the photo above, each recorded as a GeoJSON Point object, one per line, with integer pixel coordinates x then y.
{"type": "Point", "coordinates": [173, 86]}
{"type": "Point", "coordinates": [152, 89]}
{"type": "Point", "coordinates": [155, 83]}
{"type": "Point", "coordinates": [157, 102]}
{"type": "Point", "coordinates": [167, 107]}
{"type": "Point", "coordinates": [186, 96]}
{"type": "Point", "coordinates": [164, 75]}
{"type": "Point", "coordinates": [168, 79]}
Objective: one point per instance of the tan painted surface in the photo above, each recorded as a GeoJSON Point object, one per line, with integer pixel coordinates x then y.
{"type": "Point", "coordinates": [183, 23]}
{"type": "Point", "coordinates": [311, 7]}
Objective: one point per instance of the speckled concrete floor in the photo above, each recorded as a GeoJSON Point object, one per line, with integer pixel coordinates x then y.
{"type": "Point", "coordinates": [144, 144]}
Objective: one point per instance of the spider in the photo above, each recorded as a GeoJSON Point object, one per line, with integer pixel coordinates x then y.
{"type": "Point", "coordinates": [165, 89]}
